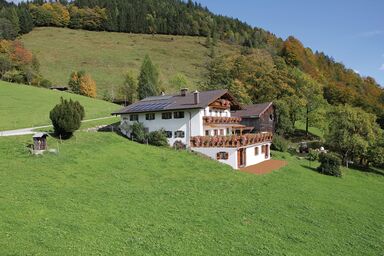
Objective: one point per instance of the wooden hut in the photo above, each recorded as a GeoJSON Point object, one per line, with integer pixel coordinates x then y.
{"type": "Point", "coordinates": [40, 141]}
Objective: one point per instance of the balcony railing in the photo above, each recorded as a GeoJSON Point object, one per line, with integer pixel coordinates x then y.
{"type": "Point", "coordinates": [221, 120]}
{"type": "Point", "coordinates": [232, 141]}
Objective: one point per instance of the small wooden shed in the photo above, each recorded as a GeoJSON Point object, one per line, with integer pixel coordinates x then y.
{"type": "Point", "coordinates": [40, 141]}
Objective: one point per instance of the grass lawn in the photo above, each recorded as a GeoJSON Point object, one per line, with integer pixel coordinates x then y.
{"type": "Point", "coordinates": [313, 130]}
{"type": "Point", "coordinates": [24, 106]}
{"type": "Point", "coordinates": [106, 195]}
{"type": "Point", "coordinates": [108, 56]}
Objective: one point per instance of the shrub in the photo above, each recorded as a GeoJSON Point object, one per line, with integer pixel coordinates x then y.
{"type": "Point", "coordinates": [329, 164]}
{"type": "Point", "coordinates": [66, 117]}
{"type": "Point", "coordinates": [179, 145]}
{"type": "Point", "coordinates": [157, 138]}
{"type": "Point", "coordinates": [45, 83]}
{"type": "Point", "coordinates": [315, 144]}
{"type": "Point", "coordinates": [279, 143]}
{"type": "Point", "coordinates": [138, 132]}
{"type": "Point", "coordinates": [312, 155]}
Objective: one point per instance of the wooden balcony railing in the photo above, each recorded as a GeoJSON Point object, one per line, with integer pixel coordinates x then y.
{"type": "Point", "coordinates": [231, 141]}
{"type": "Point", "coordinates": [221, 120]}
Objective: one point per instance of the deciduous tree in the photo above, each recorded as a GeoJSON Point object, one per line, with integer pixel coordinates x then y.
{"type": "Point", "coordinates": [148, 84]}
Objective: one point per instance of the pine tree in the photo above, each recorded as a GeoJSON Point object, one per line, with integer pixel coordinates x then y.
{"type": "Point", "coordinates": [11, 15]}
{"type": "Point", "coordinates": [26, 21]}
{"type": "Point", "coordinates": [148, 79]}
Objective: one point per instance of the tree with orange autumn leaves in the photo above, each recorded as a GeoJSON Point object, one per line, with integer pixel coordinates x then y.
{"type": "Point", "coordinates": [17, 64]}
{"type": "Point", "coordinates": [83, 84]}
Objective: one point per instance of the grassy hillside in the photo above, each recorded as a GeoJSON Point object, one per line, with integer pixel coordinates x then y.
{"type": "Point", "coordinates": [107, 56]}
{"type": "Point", "coordinates": [103, 195]}
{"type": "Point", "coordinates": [24, 106]}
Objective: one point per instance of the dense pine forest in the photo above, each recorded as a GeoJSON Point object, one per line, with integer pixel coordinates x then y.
{"type": "Point", "coordinates": [267, 68]}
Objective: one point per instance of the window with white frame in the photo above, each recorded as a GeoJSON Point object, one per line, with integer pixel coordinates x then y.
{"type": "Point", "coordinates": [166, 115]}
{"type": "Point", "coordinates": [133, 117]}
{"type": "Point", "coordinates": [168, 134]}
{"type": "Point", "coordinates": [178, 115]}
{"type": "Point", "coordinates": [150, 116]}
{"type": "Point", "coordinates": [179, 134]}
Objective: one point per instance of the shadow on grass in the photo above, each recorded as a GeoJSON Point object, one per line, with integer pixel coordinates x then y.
{"type": "Point", "coordinates": [300, 135]}
{"type": "Point", "coordinates": [311, 168]}
{"type": "Point", "coordinates": [357, 168]}
{"type": "Point", "coordinates": [368, 169]}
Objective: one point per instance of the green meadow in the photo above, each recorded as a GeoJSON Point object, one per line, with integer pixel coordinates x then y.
{"type": "Point", "coordinates": [108, 56]}
{"type": "Point", "coordinates": [23, 106]}
{"type": "Point", "coordinates": [105, 195]}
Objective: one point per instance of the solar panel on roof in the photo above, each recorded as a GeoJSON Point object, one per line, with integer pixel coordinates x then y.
{"type": "Point", "coordinates": [150, 107]}
{"type": "Point", "coordinates": [157, 98]}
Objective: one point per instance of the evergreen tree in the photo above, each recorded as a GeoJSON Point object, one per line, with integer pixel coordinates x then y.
{"type": "Point", "coordinates": [66, 117]}
{"type": "Point", "coordinates": [148, 84]}
{"type": "Point", "coordinates": [9, 14]}
{"type": "Point", "coordinates": [7, 30]}
{"type": "Point", "coordinates": [26, 21]}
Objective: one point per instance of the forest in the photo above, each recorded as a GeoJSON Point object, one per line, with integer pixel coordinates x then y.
{"type": "Point", "coordinates": [267, 67]}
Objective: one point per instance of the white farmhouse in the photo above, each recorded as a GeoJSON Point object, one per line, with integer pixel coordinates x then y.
{"type": "Point", "coordinates": [202, 122]}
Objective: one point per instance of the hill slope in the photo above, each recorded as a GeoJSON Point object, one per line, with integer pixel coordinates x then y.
{"type": "Point", "coordinates": [108, 56]}
{"type": "Point", "coordinates": [104, 194]}
{"type": "Point", "coordinates": [24, 106]}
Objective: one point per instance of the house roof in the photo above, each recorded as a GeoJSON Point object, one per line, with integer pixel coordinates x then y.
{"type": "Point", "coordinates": [176, 102]}
{"type": "Point", "coordinates": [254, 110]}
{"type": "Point", "coordinates": [40, 135]}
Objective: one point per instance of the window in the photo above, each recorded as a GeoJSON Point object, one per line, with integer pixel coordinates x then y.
{"type": "Point", "coordinates": [150, 116]}
{"type": "Point", "coordinates": [206, 132]}
{"type": "Point", "coordinates": [134, 118]}
{"type": "Point", "coordinates": [221, 132]}
{"type": "Point", "coordinates": [263, 149]}
{"type": "Point", "coordinates": [227, 131]}
{"type": "Point", "coordinates": [215, 132]}
{"type": "Point", "coordinates": [167, 115]}
{"type": "Point", "coordinates": [256, 151]}
{"type": "Point", "coordinates": [179, 134]}
{"type": "Point", "coordinates": [271, 117]}
{"type": "Point", "coordinates": [222, 156]}
{"type": "Point", "coordinates": [168, 134]}
{"type": "Point", "coordinates": [178, 115]}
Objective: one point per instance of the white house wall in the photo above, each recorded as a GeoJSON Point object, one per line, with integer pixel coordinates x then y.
{"type": "Point", "coordinates": [212, 153]}
{"type": "Point", "coordinates": [252, 159]}
{"type": "Point", "coordinates": [191, 124]}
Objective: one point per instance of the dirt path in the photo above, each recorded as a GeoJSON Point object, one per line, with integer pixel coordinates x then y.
{"type": "Point", "coordinates": [265, 167]}
{"type": "Point", "coordinates": [31, 130]}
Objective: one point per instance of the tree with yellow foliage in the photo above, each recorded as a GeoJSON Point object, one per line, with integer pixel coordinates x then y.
{"type": "Point", "coordinates": [83, 84]}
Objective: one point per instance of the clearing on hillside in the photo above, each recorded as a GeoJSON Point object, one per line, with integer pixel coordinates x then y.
{"type": "Point", "coordinates": [107, 56]}
{"type": "Point", "coordinates": [23, 106]}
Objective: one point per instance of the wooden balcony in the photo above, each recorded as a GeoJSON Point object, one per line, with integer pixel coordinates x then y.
{"type": "Point", "coordinates": [231, 141]}
{"type": "Point", "coordinates": [207, 120]}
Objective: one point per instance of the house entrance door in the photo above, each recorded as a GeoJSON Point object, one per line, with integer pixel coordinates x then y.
{"type": "Point", "coordinates": [241, 157]}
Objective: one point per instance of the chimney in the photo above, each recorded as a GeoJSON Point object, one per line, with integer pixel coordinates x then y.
{"type": "Point", "coordinates": [196, 97]}
{"type": "Point", "coordinates": [183, 91]}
